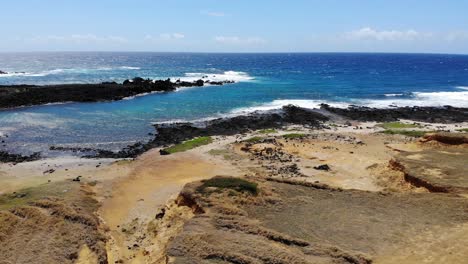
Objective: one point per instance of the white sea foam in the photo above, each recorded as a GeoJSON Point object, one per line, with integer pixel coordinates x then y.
{"type": "Point", "coordinates": [393, 95]}
{"type": "Point", "coordinates": [234, 76]}
{"type": "Point", "coordinates": [462, 87]}
{"type": "Point", "coordinates": [69, 70]}
{"type": "Point", "coordinates": [16, 74]}
{"type": "Point", "coordinates": [435, 99]}
{"type": "Point", "coordinates": [277, 104]}
{"type": "Point", "coordinates": [456, 99]}
{"type": "Point", "coordinates": [140, 95]}
{"type": "Point", "coordinates": [130, 68]}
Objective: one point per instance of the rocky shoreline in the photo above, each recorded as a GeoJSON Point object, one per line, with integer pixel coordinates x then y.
{"type": "Point", "coordinates": [169, 134]}
{"type": "Point", "coordinates": [29, 95]}
{"type": "Point", "coordinates": [17, 158]}
{"type": "Point", "coordinates": [446, 114]}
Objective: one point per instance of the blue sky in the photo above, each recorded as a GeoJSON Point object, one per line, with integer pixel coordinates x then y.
{"type": "Point", "coordinates": [235, 25]}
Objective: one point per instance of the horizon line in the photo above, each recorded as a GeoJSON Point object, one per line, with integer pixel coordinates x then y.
{"type": "Point", "coordinates": [241, 52]}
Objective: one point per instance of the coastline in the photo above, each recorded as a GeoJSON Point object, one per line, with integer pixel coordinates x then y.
{"type": "Point", "coordinates": [146, 213]}
{"type": "Point", "coordinates": [166, 134]}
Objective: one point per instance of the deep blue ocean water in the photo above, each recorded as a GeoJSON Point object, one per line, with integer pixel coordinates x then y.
{"type": "Point", "coordinates": [263, 81]}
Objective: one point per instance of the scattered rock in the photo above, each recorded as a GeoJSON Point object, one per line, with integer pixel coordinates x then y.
{"type": "Point", "coordinates": [323, 167]}
{"type": "Point", "coordinates": [77, 179]}
{"type": "Point", "coordinates": [161, 214]}
{"type": "Point", "coordinates": [49, 171]}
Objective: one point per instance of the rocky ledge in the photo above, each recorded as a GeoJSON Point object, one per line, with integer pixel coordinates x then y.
{"type": "Point", "coordinates": [29, 95]}
{"type": "Point", "coordinates": [446, 114]}
{"type": "Point", "coordinates": [168, 134]}
{"type": "Point", "coordinates": [17, 158]}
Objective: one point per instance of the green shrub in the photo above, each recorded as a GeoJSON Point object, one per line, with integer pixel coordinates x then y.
{"type": "Point", "coordinates": [254, 139]}
{"type": "Point", "coordinates": [462, 130]}
{"type": "Point", "coordinates": [232, 183]}
{"type": "Point", "coordinates": [189, 144]}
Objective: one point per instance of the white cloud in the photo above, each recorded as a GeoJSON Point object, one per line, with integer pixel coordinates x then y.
{"type": "Point", "coordinates": [455, 36]}
{"type": "Point", "coordinates": [79, 38]}
{"type": "Point", "coordinates": [239, 41]}
{"type": "Point", "coordinates": [165, 36]}
{"type": "Point", "coordinates": [368, 33]}
{"type": "Point", "coordinates": [213, 14]}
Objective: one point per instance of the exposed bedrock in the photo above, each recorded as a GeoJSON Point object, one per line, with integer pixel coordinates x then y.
{"type": "Point", "coordinates": [28, 95]}
{"type": "Point", "coordinates": [446, 114]}
{"type": "Point", "coordinates": [17, 158]}
{"type": "Point", "coordinates": [440, 166]}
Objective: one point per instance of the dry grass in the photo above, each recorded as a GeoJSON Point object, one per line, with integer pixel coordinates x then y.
{"type": "Point", "coordinates": [49, 224]}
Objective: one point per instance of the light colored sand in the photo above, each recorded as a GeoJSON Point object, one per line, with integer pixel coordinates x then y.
{"type": "Point", "coordinates": [30, 174]}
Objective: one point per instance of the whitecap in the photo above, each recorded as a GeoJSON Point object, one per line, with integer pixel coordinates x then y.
{"type": "Point", "coordinates": [433, 99]}
{"type": "Point", "coordinates": [129, 68]}
{"type": "Point", "coordinates": [278, 104]}
{"type": "Point", "coordinates": [64, 71]}
{"type": "Point", "coordinates": [436, 99]}
{"type": "Point", "coordinates": [235, 76]}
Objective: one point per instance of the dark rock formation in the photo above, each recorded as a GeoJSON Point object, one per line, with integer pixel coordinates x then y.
{"type": "Point", "coordinates": [323, 167]}
{"type": "Point", "coordinates": [446, 114]}
{"type": "Point", "coordinates": [168, 134]}
{"type": "Point", "coordinates": [28, 95]}
{"type": "Point", "coordinates": [16, 158]}
{"type": "Point", "coordinates": [2, 72]}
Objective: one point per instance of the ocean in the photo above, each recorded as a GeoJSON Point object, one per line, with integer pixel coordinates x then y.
{"type": "Point", "coordinates": [263, 82]}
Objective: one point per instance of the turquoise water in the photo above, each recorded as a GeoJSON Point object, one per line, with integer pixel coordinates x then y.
{"type": "Point", "coordinates": [263, 81]}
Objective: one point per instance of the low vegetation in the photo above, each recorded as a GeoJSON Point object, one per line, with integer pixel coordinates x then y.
{"type": "Point", "coordinates": [28, 195]}
{"type": "Point", "coordinates": [232, 183]}
{"type": "Point", "coordinates": [462, 130]}
{"type": "Point", "coordinates": [189, 144]}
{"type": "Point", "coordinates": [398, 125]}
{"type": "Point", "coordinates": [253, 139]}
{"type": "Point", "coordinates": [294, 135]}
{"type": "Point", "coordinates": [268, 131]}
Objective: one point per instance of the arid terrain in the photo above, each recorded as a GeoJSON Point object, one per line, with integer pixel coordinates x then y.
{"type": "Point", "coordinates": [348, 192]}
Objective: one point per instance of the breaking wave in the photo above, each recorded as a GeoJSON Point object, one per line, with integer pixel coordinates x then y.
{"type": "Point", "coordinates": [65, 71]}
{"type": "Point", "coordinates": [434, 99]}
{"type": "Point", "coordinates": [234, 76]}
